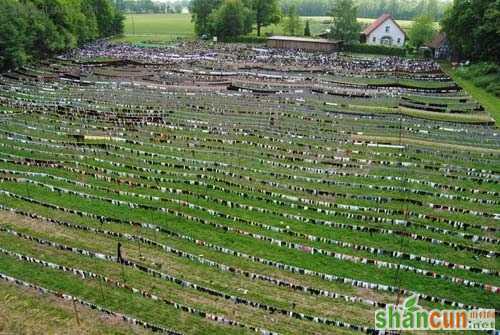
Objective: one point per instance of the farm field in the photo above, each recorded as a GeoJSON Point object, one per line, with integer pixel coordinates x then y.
{"type": "Point", "coordinates": [227, 189]}
{"type": "Point", "coordinates": [165, 28]}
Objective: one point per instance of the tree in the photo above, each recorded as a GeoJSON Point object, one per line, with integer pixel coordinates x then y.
{"type": "Point", "coordinates": [421, 31]}
{"type": "Point", "coordinates": [44, 37]}
{"type": "Point", "coordinates": [118, 23]}
{"type": "Point", "coordinates": [200, 13]}
{"type": "Point", "coordinates": [230, 20]}
{"type": "Point", "coordinates": [393, 6]}
{"type": "Point", "coordinates": [472, 29]}
{"type": "Point", "coordinates": [292, 25]}
{"type": "Point", "coordinates": [178, 7]}
{"type": "Point", "coordinates": [109, 19]}
{"type": "Point", "coordinates": [120, 5]}
{"type": "Point", "coordinates": [34, 29]}
{"type": "Point", "coordinates": [13, 28]}
{"type": "Point", "coordinates": [307, 29]}
{"type": "Point", "coordinates": [432, 10]}
{"type": "Point", "coordinates": [345, 25]}
{"type": "Point", "coordinates": [266, 12]}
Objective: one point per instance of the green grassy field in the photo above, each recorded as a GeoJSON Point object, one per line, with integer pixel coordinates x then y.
{"type": "Point", "coordinates": [164, 28]}
{"type": "Point", "coordinates": [157, 28]}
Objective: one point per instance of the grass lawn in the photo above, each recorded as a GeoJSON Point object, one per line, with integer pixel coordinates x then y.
{"type": "Point", "coordinates": [490, 102]}
{"type": "Point", "coordinates": [157, 28]}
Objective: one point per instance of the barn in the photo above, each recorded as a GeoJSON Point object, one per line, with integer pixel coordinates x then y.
{"type": "Point", "coordinates": [384, 31]}
{"type": "Point", "coordinates": [440, 47]}
{"type": "Point", "coordinates": [309, 44]}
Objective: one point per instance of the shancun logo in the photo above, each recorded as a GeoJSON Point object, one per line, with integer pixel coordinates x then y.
{"type": "Point", "coordinates": [411, 316]}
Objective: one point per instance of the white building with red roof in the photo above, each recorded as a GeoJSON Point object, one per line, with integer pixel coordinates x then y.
{"type": "Point", "coordinates": [384, 31]}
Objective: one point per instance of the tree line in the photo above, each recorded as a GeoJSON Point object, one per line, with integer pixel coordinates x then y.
{"type": "Point", "coordinates": [36, 29]}
{"type": "Point", "coordinates": [400, 9]}
{"type": "Point", "coordinates": [152, 7]}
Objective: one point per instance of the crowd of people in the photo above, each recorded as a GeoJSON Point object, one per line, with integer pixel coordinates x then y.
{"type": "Point", "coordinates": [246, 56]}
{"type": "Point", "coordinates": [265, 70]}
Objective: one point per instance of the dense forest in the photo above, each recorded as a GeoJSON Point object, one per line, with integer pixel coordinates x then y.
{"type": "Point", "coordinates": [35, 29]}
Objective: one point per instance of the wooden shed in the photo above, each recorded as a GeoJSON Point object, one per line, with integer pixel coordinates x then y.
{"type": "Point", "coordinates": [440, 47]}
{"type": "Point", "coordinates": [309, 44]}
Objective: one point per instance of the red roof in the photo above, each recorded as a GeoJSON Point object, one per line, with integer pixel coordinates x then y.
{"type": "Point", "coordinates": [378, 22]}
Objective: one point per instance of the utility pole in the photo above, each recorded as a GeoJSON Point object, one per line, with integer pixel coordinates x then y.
{"type": "Point", "coordinates": [77, 318]}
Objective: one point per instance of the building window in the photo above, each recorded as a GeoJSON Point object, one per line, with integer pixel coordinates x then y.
{"type": "Point", "coordinates": [374, 39]}
{"type": "Point", "coordinates": [399, 41]}
{"type": "Point", "coordinates": [386, 40]}
{"type": "Point", "coordinates": [387, 28]}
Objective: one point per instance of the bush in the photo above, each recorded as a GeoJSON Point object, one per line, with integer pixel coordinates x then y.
{"type": "Point", "coordinates": [375, 49]}
{"type": "Point", "coordinates": [484, 75]}
{"type": "Point", "coordinates": [494, 88]}
{"type": "Point", "coordinates": [247, 39]}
